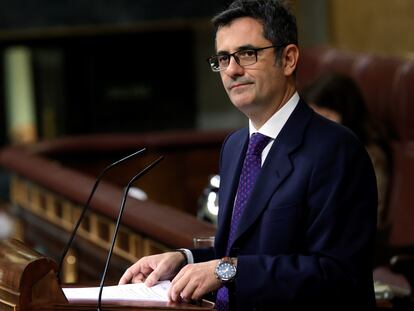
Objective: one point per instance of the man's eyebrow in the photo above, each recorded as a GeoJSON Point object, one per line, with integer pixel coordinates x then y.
{"type": "Point", "coordinates": [246, 47]}
{"type": "Point", "coordinates": [240, 48]}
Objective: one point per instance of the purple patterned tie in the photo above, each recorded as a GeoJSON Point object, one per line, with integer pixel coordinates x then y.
{"type": "Point", "coordinates": [250, 170]}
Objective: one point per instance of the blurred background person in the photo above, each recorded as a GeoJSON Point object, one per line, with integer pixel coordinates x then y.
{"type": "Point", "coordinates": [338, 98]}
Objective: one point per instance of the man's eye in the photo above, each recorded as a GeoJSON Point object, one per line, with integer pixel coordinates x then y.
{"type": "Point", "coordinates": [246, 53]}
{"type": "Point", "coordinates": [223, 58]}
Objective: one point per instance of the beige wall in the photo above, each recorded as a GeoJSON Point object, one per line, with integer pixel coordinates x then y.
{"type": "Point", "coordinates": [384, 26]}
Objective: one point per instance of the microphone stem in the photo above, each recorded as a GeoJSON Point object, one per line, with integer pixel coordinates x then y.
{"type": "Point", "coordinates": [118, 223]}
{"type": "Point", "coordinates": [82, 215]}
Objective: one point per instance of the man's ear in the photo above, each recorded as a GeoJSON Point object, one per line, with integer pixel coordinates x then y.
{"type": "Point", "coordinates": [290, 59]}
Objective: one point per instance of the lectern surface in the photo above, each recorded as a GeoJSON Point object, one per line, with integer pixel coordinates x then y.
{"type": "Point", "coordinates": [123, 305]}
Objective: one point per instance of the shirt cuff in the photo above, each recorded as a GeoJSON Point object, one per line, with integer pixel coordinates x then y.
{"type": "Point", "coordinates": [188, 254]}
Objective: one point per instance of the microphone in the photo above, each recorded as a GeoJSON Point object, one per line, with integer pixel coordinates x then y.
{"type": "Point", "coordinates": [118, 223]}
{"type": "Point", "coordinates": [86, 207]}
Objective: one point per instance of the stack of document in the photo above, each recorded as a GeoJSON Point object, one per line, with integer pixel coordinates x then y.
{"type": "Point", "coordinates": [130, 292]}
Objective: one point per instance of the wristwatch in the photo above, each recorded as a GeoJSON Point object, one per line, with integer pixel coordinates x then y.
{"type": "Point", "coordinates": [226, 270]}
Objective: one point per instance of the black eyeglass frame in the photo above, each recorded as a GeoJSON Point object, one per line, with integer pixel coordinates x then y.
{"type": "Point", "coordinates": [237, 59]}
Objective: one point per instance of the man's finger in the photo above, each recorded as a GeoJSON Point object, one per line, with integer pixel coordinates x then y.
{"type": "Point", "coordinates": [126, 277]}
{"type": "Point", "coordinates": [180, 274]}
{"type": "Point", "coordinates": [139, 278]}
{"type": "Point", "coordinates": [153, 278]}
{"type": "Point", "coordinates": [177, 286]}
{"type": "Point", "coordinates": [188, 291]}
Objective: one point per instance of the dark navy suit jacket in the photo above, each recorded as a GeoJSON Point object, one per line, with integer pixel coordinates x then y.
{"type": "Point", "coordinates": [306, 236]}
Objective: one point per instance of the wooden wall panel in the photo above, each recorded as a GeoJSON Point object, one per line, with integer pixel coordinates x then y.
{"type": "Point", "coordinates": [373, 25]}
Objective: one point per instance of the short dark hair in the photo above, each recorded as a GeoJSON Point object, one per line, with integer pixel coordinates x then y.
{"type": "Point", "coordinates": [341, 94]}
{"type": "Point", "coordinates": [279, 23]}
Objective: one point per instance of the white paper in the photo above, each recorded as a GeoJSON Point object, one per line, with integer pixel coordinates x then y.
{"type": "Point", "coordinates": [137, 291]}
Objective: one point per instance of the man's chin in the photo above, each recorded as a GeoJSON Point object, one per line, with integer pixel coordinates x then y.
{"type": "Point", "coordinates": [240, 101]}
{"type": "Point", "coordinates": [244, 106]}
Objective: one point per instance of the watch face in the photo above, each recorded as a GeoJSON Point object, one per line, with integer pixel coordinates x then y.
{"type": "Point", "coordinates": [226, 271]}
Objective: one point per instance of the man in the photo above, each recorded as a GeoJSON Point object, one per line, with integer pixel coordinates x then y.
{"type": "Point", "coordinates": [299, 231]}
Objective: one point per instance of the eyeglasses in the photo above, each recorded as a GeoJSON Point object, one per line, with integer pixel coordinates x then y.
{"type": "Point", "coordinates": [244, 57]}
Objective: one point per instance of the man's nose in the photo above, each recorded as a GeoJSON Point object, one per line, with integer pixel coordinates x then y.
{"type": "Point", "coordinates": [234, 68]}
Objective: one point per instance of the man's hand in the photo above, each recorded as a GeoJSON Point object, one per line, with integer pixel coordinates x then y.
{"type": "Point", "coordinates": [152, 269]}
{"type": "Point", "coordinates": [194, 281]}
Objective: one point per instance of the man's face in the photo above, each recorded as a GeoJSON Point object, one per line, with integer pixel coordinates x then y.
{"type": "Point", "coordinates": [256, 88]}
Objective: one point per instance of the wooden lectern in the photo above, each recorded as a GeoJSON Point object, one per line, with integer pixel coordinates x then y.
{"type": "Point", "coordinates": [28, 282]}
{"type": "Point", "coordinates": [26, 277]}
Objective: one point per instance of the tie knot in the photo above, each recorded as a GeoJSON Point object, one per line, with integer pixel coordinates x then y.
{"type": "Point", "coordinates": [257, 143]}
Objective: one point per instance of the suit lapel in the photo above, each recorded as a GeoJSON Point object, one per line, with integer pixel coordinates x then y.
{"type": "Point", "coordinates": [277, 166]}
{"type": "Point", "coordinates": [229, 180]}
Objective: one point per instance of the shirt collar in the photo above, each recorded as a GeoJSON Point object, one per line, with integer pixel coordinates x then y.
{"type": "Point", "coordinates": [274, 125]}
